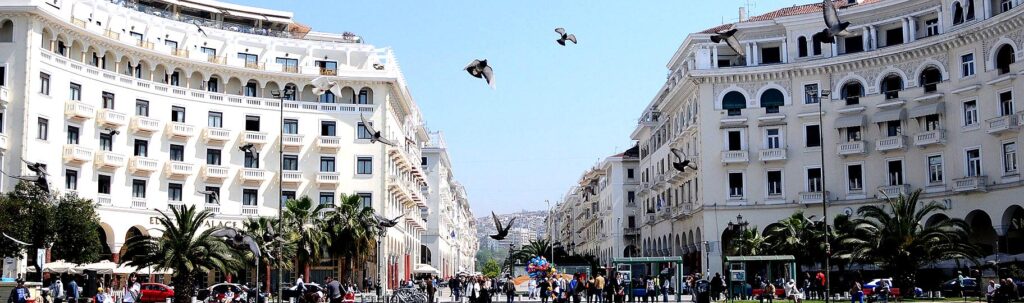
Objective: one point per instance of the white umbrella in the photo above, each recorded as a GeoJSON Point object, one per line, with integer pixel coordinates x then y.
{"type": "Point", "coordinates": [57, 267]}
{"type": "Point", "coordinates": [426, 269]}
{"type": "Point", "coordinates": [104, 267]}
{"type": "Point", "coordinates": [125, 269]}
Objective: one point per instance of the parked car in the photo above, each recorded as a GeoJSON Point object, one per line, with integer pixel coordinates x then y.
{"type": "Point", "coordinates": [951, 289]}
{"type": "Point", "coordinates": [156, 292]}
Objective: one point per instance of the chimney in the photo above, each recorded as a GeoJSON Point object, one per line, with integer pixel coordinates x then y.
{"type": "Point", "coordinates": [743, 14]}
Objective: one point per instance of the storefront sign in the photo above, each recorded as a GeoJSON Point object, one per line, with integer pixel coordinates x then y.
{"type": "Point", "coordinates": [209, 223]}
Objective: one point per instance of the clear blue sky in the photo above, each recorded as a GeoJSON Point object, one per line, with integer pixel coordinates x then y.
{"type": "Point", "coordinates": [556, 110]}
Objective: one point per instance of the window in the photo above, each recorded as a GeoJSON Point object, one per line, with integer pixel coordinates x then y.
{"type": "Point", "coordinates": [251, 160]}
{"type": "Point", "coordinates": [290, 162]}
{"type": "Point", "coordinates": [814, 179]}
{"type": "Point", "coordinates": [771, 100]}
{"type": "Point", "coordinates": [108, 100]}
{"type": "Point", "coordinates": [210, 52]}
{"type": "Point", "coordinates": [1010, 157]}
{"type": "Point", "coordinates": [1005, 5]}
{"type": "Point", "coordinates": [891, 86]}
{"type": "Point", "coordinates": [138, 188]}
{"type": "Point", "coordinates": [326, 198]}
{"type": "Point", "coordinates": [808, 97]}
{"type": "Point", "coordinates": [213, 195]}
{"type": "Point", "coordinates": [973, 162]}
{"type": "Point", "coordinates": [363, 133]}
{"type": "Point", "coordinates": [853, 134]}
{"type": "Point", "coordinates": [171, 44]}
{"type": "Point", "coordinates": [291, 126]}
{"type": "Point", "coordinates": [853, 44]}
{"type": "Point", "coordinates": [931, 27]}
{"type": "Point", "coordinates": [893, 128]}
{"type": "Point", "coordinates": [771, 55]}
{"type": "Point", "coordinates": [967, 65]}
{"type": "Point", "coordinates": [250, 89]}
{"type": "Point", "coordinates": [774, 183]}
{"type": "Point", "coordinates": [364, 97]}
{"type": "Point", "coordinates": [141, 148]}
{"type": "Point", "coordinates": [212, 156]}
{"type": "Point", "coordinates": [736, 185]}
{"type": "Point", "coordinates": [895, 172]}
{"type": "Point", "coordinates": [103, 185]}
{"type": "Point", "coordinates": [174, 192]}
{"type": "Point", "coordinates": [327, 68]}
{"type": "Point", "coordinates": [106, 142]}
{"type": "Point", "coordinates": [815, 45]}
{"type": "Point", "coordinates": [173, 79]}
{"type": "Point", "coordinates": [252, 123]}
{"type": "Point", "coordinates": [288, 64]}
{"type": "Point", "coordinates": [75, 92]}
{"type": "Point", "coordinates": [935, 175]}
{"type": "Point", "coordinates": [44, 84]}
{"type": "Point", "coordinates": [851, 92]}
{"type": "Point", "coordinates": [72, 134]}
{"type": "Point", "coordinates": [287, 195]}
{"type": "Point", "coordinates": [1, 122]}
{"type": "Point", "coordinates": [327, 164]}
{"type": "Point", "coordinates": [251, 60]}
{"type": "Point", "coordinates": [630, 173]}
{"type": "Point", "coordinates": [177, 152]}
{"type": "Point", "coordinates": [327, 97]}
{"type": "Point", "coordinates": [71, 179]}
{"type": "Point", "coordinates": [366, 199]}
{"type": "Point", "coordinates": [894, 36]}
{"type": "Point", "coordinates": [43, 129]}
{"type": "Point", "coordinates": [142, 108]}
{"type": "Point", "coordinates": [930, 79]}
{"type": "Point", "coordinates": [215, 120]}
{"type": "Point", "coordinates": [970, 113]}
{"type": "Point", "coordinates": [772, 138]}
{"type": "Point", "coordinates": [631, 197]}
{"type": "Point", "coordinates": [801, 46]}
{"type": "Point", "coordinates": [734, 102]}
{"type": "Point", "coordinates": [931, 122]}
{"type": "Point", "coordinates": [735, 140]}
{"type": "Point", "coordinates": [855, 177]}
{"type": "Point", "coordinates": [1006, 103]}
{"type": "Point", "coordinates": [327, 128]}
{"type": "Point", "coordinates": [423, 161]}
{"type": "Point", "coordinates": [249, 197]}
{"type": "Point", "coordinates": [812, 135]}
{"type": "Point", "coordinates": [364, 165]}
{"type": "Point", "coordinates": [178, 114]}
{"type": "Point", "coordinates": [213, 85]}
{"type": "Point", "coordinates": [136, 35]}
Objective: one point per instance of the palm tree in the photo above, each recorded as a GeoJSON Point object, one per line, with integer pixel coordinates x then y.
{"type": "Point", "coordinates": [798, 236]}
{"type": "Point", "coordinates": [275, 253]}
{"type": "Point", "coordinates": [307, 230]}
{"type": "Point", "coordinates": [893, 237]}
{"type": "Point", "coordinates": [749, 243]}
{"type": "Point", "coordinates": [354, 230]}
{"type": "Point", "coordinates": [183, 248]}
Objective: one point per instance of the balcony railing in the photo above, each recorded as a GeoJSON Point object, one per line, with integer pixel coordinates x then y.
{"type": "Point", "coordinates": [144, 44]}
{"type": "Point", "coordinates": [215, 172]}
{"type": "Point", "coordinates": [631, 231]}
{"type": "Point", "coordinates": [74, 153]}
{"type": "Point", "coordinates": [329, 142]}
{"type": "Point", "coordinates": [328, 178]}
{"type": "Point", "coordinates": [172, 204]}
{"type": "Point", "coordinates": [180, 52]}
{"type": "Point", "coordinates": [249, 210]}
{"type": "Point", "coordinates": [291, 140]}
{"type": "Point", "coordinates": [257, 138]}
{"type": "Point", "coordinates": [216, 135]}
{"type": "Point", "coordinates": [142, 124]}
{"type": "Point", "coordinates": [1002, 124]}
{"type": "Point", "coordinates": [144, 165]}
{"type": "Point", "coordinates": [851, 148]}
{"type": "Point", "coordinates": [774, 154]}
{"type": "Point", "coordinates": [812, 197]}
{"type": "Point", "coordinates": [890, 143]}
{"type": "Point", "coordinates": [217, 59]}
{"type": "Point", "coordinates": [290, 69]}
{"type": "Point", "coordinates": [735, 156]}
{"type": "Point", "coordinates": [138, 203]}
{"type": "Point", "coordinates": [112, 118]}
{"type": "Point", "coordinates": [78, 110]}
{"type": "Point", "coordinates": [112, 34]}
{"type": "Point", "coordinates": [179, 169]}
{"type": "Point", "coordinates": [328, 72]}
{"type": "Point", "coordinates": [180, 130]}
{"type": "Point", "coordinates": [110, 159]}
{"type": "Point", "coordinates": [212, 208]}
{"type": "Point", "coordinates": [254, 65]}
{"type": "Point", "coordinates": [893, 191]}
{"type": "Point", "coordinates": [937, 136]}
{"type": "Point", "coordinates": [104, 199]}
{"type": "Point", "coordinates": [253, 175]}
{"type": "Point", "coordinates": [291, 177]}
{"type": "Point", "coordinates": [976, 183]}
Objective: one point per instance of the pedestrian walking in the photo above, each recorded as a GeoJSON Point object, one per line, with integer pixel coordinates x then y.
{"type": "Point", "coordinates": [544, 286]}
{"type": "Point", "coordinates": [856, 293]}
{"type": "Point", "coordinates": [57, 290]}
{"type": "Point", "coordinates": [19, 294]}
{"type": "Point", "coordinates": [510, 290]}
{"type": "Point", "coordinates": [717, 285]}
{"type": "Point", "coordinates": [132, 290]}
{"type": "Point", "coordinates": [333, 290]}
{"type": "Point", "coordinates": [531, 289]}
{"type": "Point", "coordinates": [884, 288]}
{"type": "Point", "coordinates": [430, 288]}
{"type": "Point", "coordinates": [599, 287]}
{"type": "Point", "coordinates": [990, 291]}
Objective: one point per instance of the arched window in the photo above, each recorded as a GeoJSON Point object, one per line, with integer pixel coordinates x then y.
{"type": "Point", "coordinates": [771, 100]}
{"type": "Point", "coordinates": [891, 86]}
{"type": "Point", "coordinates": [327, 97]}
{"type": "Point", "coordinates": [851, 92]}
{"type": "Point", "coordinates": [969, 6]}
{"type": "Point", "coordinates": [294, 92]}
{"type": "Point", "coordinates": [1004, 57]}
{"type": "Point", "coordinates": [958, 13]}
{"type": "Point", "coordinates": [930, 79]}
{"type": "Point", "coordinates": [250, 89]}
{"type": "Point", "coordinates": [733, 102]}
{"type": "Point", "coordinates": [816, 45]}
{"type": "Point", "coordinates": [7, 31]}
{"type": "Point", "coordinates": [801, 46]}
{"type": "Point", "coordinates": [365, 96]}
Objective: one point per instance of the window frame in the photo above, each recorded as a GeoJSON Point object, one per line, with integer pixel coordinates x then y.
{"type": "Point", "coordinates": [968, 68]}
{"type": "Point", "coordinates": [1008, 161]}
{"type": "Point", "coordinates": [931, 172]}
{"type": "Point", "coordinates": [175, 196]}
{"type": "Point", "coordinates": [364, 165]}
{"type": "Point", "coordinates": [967, 162]}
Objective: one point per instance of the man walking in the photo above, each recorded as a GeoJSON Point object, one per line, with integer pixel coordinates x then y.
{"type": "Point", "coordinates": [510, 289]}
{"type": "Point", "coordinates": [333, 290]}
{"type": "Point", "coordinates": [57, 290]}
{"type": "Point", "coordinates": [19, 294]}
{"type": "Point", "coordinates": [599, 287]}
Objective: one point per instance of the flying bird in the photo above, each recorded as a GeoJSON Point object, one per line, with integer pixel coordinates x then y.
{"type": "Point", "coordinates": [323, 84]}
{"type": "Point", "coordinates": [384, 222]}
{"type": "Point", "coordinates": [730, 39]}
{"type": "Point", "coordinates": [833, 26]}
{"type": "Point", "coordinates": [16, 241]}
{"type": "Point", "coordinates": [502, 231]}
{"type": "Point", "coordinates": [113, 132]}
{"type": "Point", "coordinates": [375, 135]}
{"type": "Point", "coordinates": [238, 240]}
{"type": "Point", "coordinates": [479, 68]}
{"type": "Point", "coordinates": [683, 163]}
{"type": "Point", "coordinates": [248, 148]}
{"type": "Point", "coordinates": [199, 28]}
{"type": "Point", "coordinates": [39, 179]}
{"type": "Point", "coordinates": [564, 37]}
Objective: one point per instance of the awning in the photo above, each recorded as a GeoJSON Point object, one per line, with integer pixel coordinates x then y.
{"type": "Point", "coordinates": [850, 121]}
{"type": "Point", "coordinates": [426, 269]}
{"type": "Point", "coordinates": [58, 267]}
{"type": "Point", "coordinates": [928, 109]}
{"type": "Point", "coordinates": [104, 267]}
{"type": "Point", "coordinates": [890, 115]}
{"type": "Point", "coordinates": [246, 15]}
{"type": "Point", "coordinates": [201, 7]}
{"type": "Point", "coordinates": [759, 258]}
{"type": "Point", "coordinates": [278, 19]}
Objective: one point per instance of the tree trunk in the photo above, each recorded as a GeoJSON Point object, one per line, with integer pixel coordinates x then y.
{"type": "Point", "coordinates": [266, 286]}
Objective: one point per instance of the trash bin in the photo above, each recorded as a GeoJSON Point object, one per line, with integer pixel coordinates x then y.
{"type": "Point", "coordinates": [702, 292]}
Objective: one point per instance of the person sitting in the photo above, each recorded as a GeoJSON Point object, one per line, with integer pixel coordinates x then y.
{"type": "Point", "coordinates": [793, 293]}
{"type": "Point", "coordinates": [768, 293]}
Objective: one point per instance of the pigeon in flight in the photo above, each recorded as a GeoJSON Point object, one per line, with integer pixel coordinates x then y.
{"type": "Point", "coordinates": [375, 135]}
{"type": "Point", "coordinates": [385, 222]}
{"type": "Point", "coordinates": [238, 240]}
{"type": "Point", "coordinates": [479, 68]}
{"type": "Point", "coordinates": [16, 241]}
{"type": "Point", "coordinates": [502, 231]}
{"type": "Point", "coordinates": [250, 149]}
{"type": "Point", "coordinates": [39, 179]}
{"type": "Point", "coordinates": [323, 84]}
{"type": "Point", "coordinates": [729, 37]}
{"type": "Point", "coordinates": [199, 28]}
{"type": "Point", "coordinates": [113, 132]}
{"type": "Point", "coordinates": [565, 37]}
{"type": "Point", "coordinates": [833, 26]}
{"type": "Point", "coordinates": [683, 161]}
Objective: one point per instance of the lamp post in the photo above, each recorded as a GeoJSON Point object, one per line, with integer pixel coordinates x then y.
{"type": "Point", "coordinates": [280, 95]}
{"type": "Point", "coordinates": [824, 196]}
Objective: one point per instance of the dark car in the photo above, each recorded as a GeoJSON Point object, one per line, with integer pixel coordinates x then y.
{"type": "Point", "coordinates": [951, 289]}
{"type": "Point", "coordinates": [156, 292]}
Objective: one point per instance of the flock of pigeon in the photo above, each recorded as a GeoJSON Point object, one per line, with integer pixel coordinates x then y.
{"type": "Point", "coordinates": [833, 28]}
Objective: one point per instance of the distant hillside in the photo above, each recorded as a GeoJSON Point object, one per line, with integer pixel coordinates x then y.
{"type": "Point", "coordinates": [532, 220]}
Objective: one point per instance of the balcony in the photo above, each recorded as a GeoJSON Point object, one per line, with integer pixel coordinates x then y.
{"type": "Point", "coordinates": [215, 172]}
{"type": "Point", "coordinates": [967, 184]}
{"type": "Point", "coordinates": [291, 141]}
{"type": "Point", "coordinates": [256, 138]}
{"type": "Point", "coordinates": [212, 208]}
{"type": "Point", "coordinates": [1003, 124]}
{"type": "Point", "coordinates": [890, 143]}
{"type": "Point", "coordinates": [893, 191]}
{"type": "Point", "coordinates": [5, 97]}
{"type": "Point", "coordinates": [111, 118]}
{"type": "Point", "coordinates": [178, 169]}
{"type": "Point", "coordinates": [3, 142]}
{"type": "Point", "coordinates": [249, 210]}
{"type": "Point", "coordinates": [110, 160]}
{"type": "Point", "coordinates": [145, 125]}
{"type": "Point", "coordinates": [180, 52]}
{"type": "Point", "coordinates": [933, 137]}
{"type": "Point", "coordinates": [144, 165]}
{"type": "Point", "coordinates": [138, 203]}
{"type": "Point", "coordinates": [178, 130]}
{"type": "Point", "coordinates": [74, 153]}
{"type": "Point", "coordinates": [253, 175]}
{"type": "Point", "coordinates": [774, 154]}
{"type": "Point", "coordinates": [216, 135]}
{"type": "Point", "coordinates": [104, 199]}
{"type": "Point", "coordinates": [328, 72]}
{"type": "Point", "coordinates": [77, 110]}
{"type": "Point", "coordinates": [328, 178]}
{"type": "Point", "coordinates": [112, 34]}
{"type": "Point", "coordinates": [144, 44]}
{"type": "Point", "coordinates": [735, 156]}
{"type": "Point", "coordinates": [171, 204]}
{"type": "Point", "coordinates": [851, 148]}
{"type": "Point", "coordinates": [291, 177]}
{"type": "Point", "coordinates": [329, 143]}
{"type": "Point", "coordinates": [631, 231]}
{"type": "Point", "coordinates": [812, 197]}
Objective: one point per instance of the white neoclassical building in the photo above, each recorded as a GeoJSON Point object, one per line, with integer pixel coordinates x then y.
{"type": "Point", "coordinates": [450, 243]}
{"type": "Point", "coordinates": [130, 105]}
{"type": "Point", "coordinates": [923, 95]}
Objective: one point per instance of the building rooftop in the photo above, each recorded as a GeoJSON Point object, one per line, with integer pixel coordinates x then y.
{"type": "Point", "coordinates": [790, 11]}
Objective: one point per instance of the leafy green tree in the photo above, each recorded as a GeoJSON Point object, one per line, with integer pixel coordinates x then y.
{"type": "Point", "coordinates": [307, 229]}
{"type": "Point", "coordinates": [28, 216]}
{"type": "Point", "coordinates": [191, 253]}
{"type": "Point", "coordinates": [491, 268]}
{"type": "Point", "coordinates": [749, 242]}
{"type": "Point", "coordinates": [277, 253]}
{"type": "Point", "coordinates": [354, 231]}
{"type": "Point", "coordinates": [77, 237]}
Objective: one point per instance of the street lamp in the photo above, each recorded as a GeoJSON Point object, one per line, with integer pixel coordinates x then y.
{"type": "Point", "coordinates": [824, 196]}
{"type": "Point", "coordinates": [280, 95]}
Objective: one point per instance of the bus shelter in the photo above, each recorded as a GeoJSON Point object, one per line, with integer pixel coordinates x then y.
{"type": "Point", "coordinates": [656, 264]}
{"type": "Point", "coordinates": [783, 266]}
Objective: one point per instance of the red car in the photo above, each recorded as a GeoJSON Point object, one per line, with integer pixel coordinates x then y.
{"type": "Point", "coordinates": [156, 292]}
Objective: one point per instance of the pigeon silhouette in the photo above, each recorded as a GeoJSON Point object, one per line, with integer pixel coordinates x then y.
{"type": "Point", "coordinates": [385, 222]}
{"type": "Point", "coordinates": [16, 241]}
{"type": "Point", "coordinates": [833, 26]}
{"type": "Point", "coordinates": [564, 37]}
{"type": "Point", "coordinates": [113, 132]}
{"type": "Point", "coordinates": [502, 231]}
{"type": "Point", "coordinates": [375, 135]}
{"type": "Point", "coordinates": [730, 39]}
{"type": "Point", "coordinates": [323, 84]}
{"type": "Point", "coordinates": [38, 179]}
{"type": "Point", "coordinates": [238, 240]}
{"type": "Point", "coordinates": [199, 28]}
{"type": "Point", "coordinates": [479, 68]}
{"type": "Point", "coordinates": [683, 163]}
